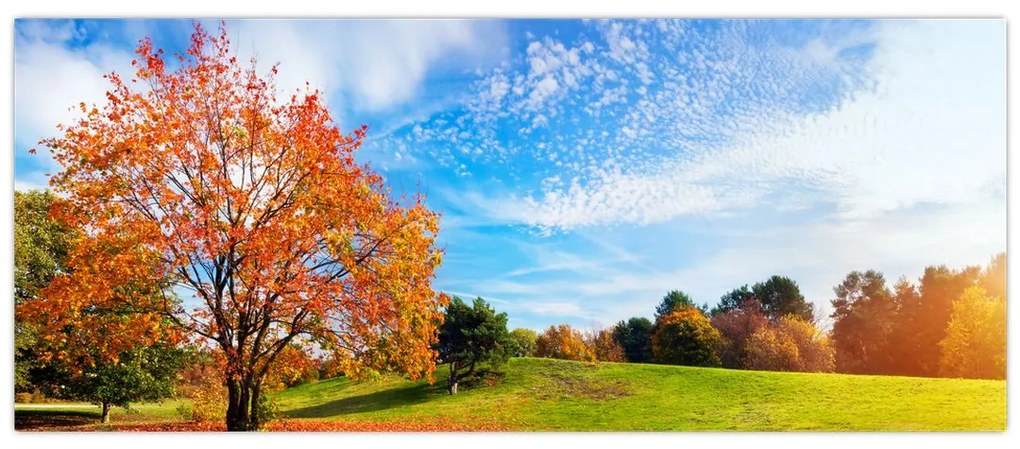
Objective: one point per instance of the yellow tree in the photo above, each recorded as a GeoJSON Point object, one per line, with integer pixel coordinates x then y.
{"type": "Point", "coordinates": [201, 177]}
{"type": "Point", "coordinates": [975, 342]}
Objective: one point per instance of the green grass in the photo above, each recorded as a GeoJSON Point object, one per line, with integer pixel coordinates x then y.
{"type": "Point", "coordinates": [541, 394]}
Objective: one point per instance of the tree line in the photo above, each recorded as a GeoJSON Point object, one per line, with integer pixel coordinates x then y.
{"type": "Point", "coordinates": [950, 323]}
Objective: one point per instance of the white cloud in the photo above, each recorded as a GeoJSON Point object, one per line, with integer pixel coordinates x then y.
{"type": "Point", "coordinates": [931, 131]}
{"type": "Point", "coordinates": [50, 80]}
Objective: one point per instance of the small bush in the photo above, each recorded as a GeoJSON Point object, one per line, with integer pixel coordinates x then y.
{"type": "Point", "coordinates": [23, 398]}
{"type": "Point", "coordinates": [209, 401]}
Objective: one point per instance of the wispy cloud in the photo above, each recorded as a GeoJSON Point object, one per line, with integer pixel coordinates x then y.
{"type": "Point", "coordinates": [369, 64]}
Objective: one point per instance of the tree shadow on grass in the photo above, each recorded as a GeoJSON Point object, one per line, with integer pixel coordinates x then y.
{"type": "Point", "coordinates": [53, 419]}
{"type": "Point", "coordinates": [366, 403]}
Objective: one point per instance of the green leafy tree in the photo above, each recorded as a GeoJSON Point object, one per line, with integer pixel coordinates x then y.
{"type": "Point", "coordinates": [635, 336]}
{"type": "Point", "coordinates": [686, 337]}
{"type": "Point", "coordinates": [144, 374]}
{"type": "Point", "coordinates": [779, 296]}
{"type": "Point", "coordinates": [674, 300]}
{"type": "Point", "coordinates": [735, 299]}
{"type": "Point", "coordinates": [863, 314]}
{"type": "Point", "coordinates": [901, 347]}
{"type": "Point", "coordinates": [40, 251]}
{"type": "Point", "coordinates": [523, 342]}
{"type": "Point", "coordinates": [470, 335]}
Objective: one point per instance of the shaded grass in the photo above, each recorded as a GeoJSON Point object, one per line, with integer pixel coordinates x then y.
{"type": "Point", "coordinates": [64, 416]}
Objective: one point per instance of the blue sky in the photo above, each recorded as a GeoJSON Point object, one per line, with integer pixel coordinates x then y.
{"type": "Point", "coordinates": [584, 168]}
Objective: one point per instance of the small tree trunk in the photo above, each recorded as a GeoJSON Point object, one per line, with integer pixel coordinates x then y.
{"type": "Point", "coordinates": [453, 378]}
{"type": "Point", "coordinates": [106, 412]}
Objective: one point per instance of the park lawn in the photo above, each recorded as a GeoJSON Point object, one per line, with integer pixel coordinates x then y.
{"type": "Point", "coordinates": [545, 394]}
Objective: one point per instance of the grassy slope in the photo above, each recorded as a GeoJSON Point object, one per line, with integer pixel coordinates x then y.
{"type": "Point", "coordinates": [540, 394]}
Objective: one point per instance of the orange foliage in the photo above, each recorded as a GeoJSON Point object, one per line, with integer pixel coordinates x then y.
{"type": "Point", "coordinates": [604, 347]}
{"type": "Point", "coordinates": [108, 305]}
{"type": "Point", "coordinates": [563, 342]}
{"type": "Point", "coordinates": [201, 177]}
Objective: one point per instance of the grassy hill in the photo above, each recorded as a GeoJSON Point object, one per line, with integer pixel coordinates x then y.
{"type": "Point", "coordinates": [543, 394]}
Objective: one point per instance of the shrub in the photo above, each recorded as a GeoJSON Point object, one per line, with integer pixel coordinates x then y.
{"type": "Point", "coordinates": [209, 400]}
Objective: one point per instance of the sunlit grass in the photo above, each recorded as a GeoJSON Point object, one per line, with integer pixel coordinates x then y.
{"type": "Point", "coordinates": [543, 394]}
{"type": "Point", "coordinates": [540, 394]}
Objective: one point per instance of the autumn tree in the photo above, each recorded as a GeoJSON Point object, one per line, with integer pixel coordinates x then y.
{"type": "Point", "coordinates": [736, 326]}
{"type": "Point", "coordinates": [563, 342]}
{"type": "Point", "coordinates": [523, 342]}
{"type": "Point", "coordinates": [200, 177]}
{"type": "Point", "coordinates": [603, 346]}
{"type": "Point", "coordinates": [975, 342]}
{"type": "Point", "coordinates": [635, 336]}
{"type": "Point", "coordinates": [470, 335]}
{"type": "Point", "coordinates": [686, 337]}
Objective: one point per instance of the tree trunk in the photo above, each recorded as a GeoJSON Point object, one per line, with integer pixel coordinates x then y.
{"type": "Point", "coordinates": [106, 413]}
{"type": "Point", "coordinates": [453, 378]}
{"type": "Point", "coordinates": [242, 415]}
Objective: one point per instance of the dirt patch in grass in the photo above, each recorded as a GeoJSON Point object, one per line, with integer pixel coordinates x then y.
{"type": "Point", "coordinates": [569, 386]}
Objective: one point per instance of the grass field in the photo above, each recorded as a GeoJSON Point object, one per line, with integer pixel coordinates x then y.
{"type": "Point", "coordinates": [542, 394]}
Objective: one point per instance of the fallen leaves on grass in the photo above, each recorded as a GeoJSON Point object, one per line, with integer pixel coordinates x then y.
{"type": "Point", "coordinates": [307, 425]}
